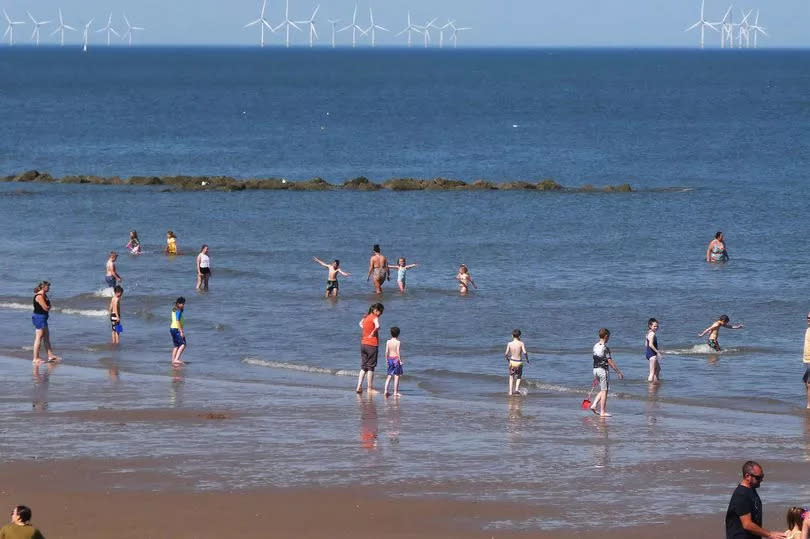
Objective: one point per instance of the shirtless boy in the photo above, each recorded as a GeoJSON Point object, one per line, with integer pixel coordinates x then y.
{"type": "Point", "coordinates": [332, 285]}
{"type": "Point", "coordinates": [516, 355]}
{"type": "Point", "coordinates": [714, 329]}
{"type": "Point", "coordinates": [115, 314]}
{"type": "Point", "coordinates": [378, 268]}
{"type": "Point", "coordinates": [112, 278]}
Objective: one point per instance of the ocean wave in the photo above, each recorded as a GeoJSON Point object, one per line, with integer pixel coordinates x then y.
{"type": "Point", "coordinates": [66, 310]}
{"type": "Point", "coordinates": [16, 306]}
{"type": "Point", "coordinates": [106, 292]}
{"type": "Point", "coordinates": [297, 367]}
{"type": "Point", "coordinates": [699, 349]}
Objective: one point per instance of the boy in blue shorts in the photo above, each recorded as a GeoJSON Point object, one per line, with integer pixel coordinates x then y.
{"type": "Point", "coordinates": [176, 330]}
{"type": "Point", "coordinates": [115, 314]}
{"type": "Point", "coordinates": [393, 354]}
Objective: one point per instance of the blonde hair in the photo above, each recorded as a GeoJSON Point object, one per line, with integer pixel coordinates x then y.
{"type": "Point", "coordinates": [41, 285]}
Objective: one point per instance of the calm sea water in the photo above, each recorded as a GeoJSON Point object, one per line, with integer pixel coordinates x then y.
{"type": "Point", "coordinates": [711, 141]}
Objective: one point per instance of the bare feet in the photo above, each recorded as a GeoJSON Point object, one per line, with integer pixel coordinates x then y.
{"type": "Point", "coordinates": [54, 359]}
{"type": "Point", "coordinates": [604, 415]}
{"type": "Point", "coordinates": [178, 363]}
{"type": "Point", "coordinates": [387, 395]}
{"type": "Point", "coordinates": [594, 410]}
{"type": "Point", "coordinates": [397, 394]}
{"type": "Point", "coordinates": [38, 361]}
{"type": "Point", "coordinates": [359, 390]}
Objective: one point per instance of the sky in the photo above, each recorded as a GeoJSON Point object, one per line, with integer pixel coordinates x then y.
{"type": "Point", "coordinates": [495, 23]}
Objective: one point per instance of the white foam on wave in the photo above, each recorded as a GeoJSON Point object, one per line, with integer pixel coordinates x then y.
{"type": "Point", "coordinates": [16, 306]}
{"type": "Point", "coordinates": [699, 349]}
{"type": "Point", "coordinates": [84, 312]}
{"type": "Point", "coordinates": [297, 367]}
{"type": "Point", "coordinates": [106, 292]}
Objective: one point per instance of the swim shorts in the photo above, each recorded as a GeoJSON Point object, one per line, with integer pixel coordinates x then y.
{"type": "Point", "coordinates": [205, 271]}
{"type": "Point", "coordinates": [806, 377]}
{"type": "Point", "coordinates": [177, 339]}
{"type": "Point", "coordinates": [40, 321]}
{"type": "Point", "coordinates": [713, 345]}
{"type": "Point", "coordinates": [516, 370]}
{"type": "Point", "coordinates": [368, 357]}
{"type": "Point", "coordinates": [110, 280]}
{"type": "Point", "coordinates": [604, 378]}
{"type": "Point", "coordinates": [332, 285]}
{"type": "Point", "coordinates": [116, 324]}
{"type": "Point", "coordinates": [378, 274]}
{"type": "Point", "coordinates": [394, 367]}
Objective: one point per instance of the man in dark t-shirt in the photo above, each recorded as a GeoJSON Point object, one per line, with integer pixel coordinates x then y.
{"type": "Point", "coordinates": [744, 515]}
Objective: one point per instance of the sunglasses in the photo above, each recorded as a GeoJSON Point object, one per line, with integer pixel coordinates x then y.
{"type": "Point", "coordinates": [757, 477]}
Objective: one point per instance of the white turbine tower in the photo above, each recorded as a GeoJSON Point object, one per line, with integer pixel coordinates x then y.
{"type": "Point", "coordinates": [61, 27]}
{"type": "Point", "coordinates": [313, 33]}
{"type": "Point", "coordinates": [84, 35]}
{"type": "Point", "coordinates": [757, 29]}
{"type": "Point", "coordinates": [742, 30]}
{"type": "Point", "coordinates": [354, 28]}
{"type": "Point", "coordinates": [725, 27]}
{"type": "Point", "coordinates": [262, 22]}
{"type": "Point", "coordinates": [128, 34]}
{"type": "Point", "coordinates": [109, 29]}
{"type": "Point", "coordinates": [37, 24]}
{"type": "Point", "coordinates": [456, 30]}
{"type": "Point", "coordinates": [426, 29]}
{"type": "Point", "coordinates": [333, 22]}
{"type": "Point", "coordinates": [410, 28]}
{"type": "Point", "coordinates": [10, 30]}
{"type": "Point", "coordinates": [372, 27]}
{"type": "Point", "coordinates": [287, 23]}
{"type": "Point", "coordinates": [702, 23]}
{"type": "Point", "coordinates": [442, 28]}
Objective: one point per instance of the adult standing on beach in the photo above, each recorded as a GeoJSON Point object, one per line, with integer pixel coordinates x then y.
{"type": "Point", "coordinates": [716, 252]}
{"type": "Point", "coordinates": [652, 352]}
{"type": "Point", "coordinates": [744, 515]}
{"type": "Point", "coordinates": [20, 526]}
{"type": "Point", "coordinates": [42, 309]}
{"type": "Point", "coordinates": [806, 360]}
{"type": "Point", "coordinates": [203, 268]}
{"type": "Point", "coordinates": [378, 268]}
{"type": "Point", "coordinates": [369, 346]}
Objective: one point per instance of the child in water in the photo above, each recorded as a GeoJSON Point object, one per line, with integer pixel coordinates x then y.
{"type": "Point", "coordinates": [464, 279]}
{"type": "Point", "coordinates": [515, 355]}
{"type": "Point", "coordinates": [714, 331]}
{"type": "Point", "coordinates": [176, 330]}
{"type": "Point", "coordinates": [393, 355]}
{"type": "Point", "coordinates": [115, 314]}
{"type": "Point", "coordinates": [332, 285]}
{"type": "Point", "coordinates": [134, 244]}
{"type": "Point", "coordinates": [171, 243]}
{"type": "Point", "coordinates": [402, 267]}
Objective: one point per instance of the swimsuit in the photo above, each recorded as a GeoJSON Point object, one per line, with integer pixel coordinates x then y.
{"type": "Point", "coordinates": [516, 368]}
{"type": "Point", "coordinates": [134, 245]}
{"type": "Point", "coordinates": [713, 345]}
{"type": "Point", "coordinates": [171, 246]}
{"type": "Point", "coordinates": [177, 325]}
{"type": "Point", "coordinates": [718, 254]}
{"type": "Point", "coordinates": [40, 316]}
{"type": "Point", "coordinates": [649, 352]}
{"type": "Point", "coordinates": [115, 323]}
{"type": "Point", "coordinates": [394, 366]}
{"type": "Point", "coordinates": [332, 285]}
{"type": "Point", "coordinates": [379, 274]}
{"type": "Point", "coordinates": [205, 264]}
{"type": "Point", "coordinates": [110, 280]}
{"type": "Point", "coordinates": [401, 274]}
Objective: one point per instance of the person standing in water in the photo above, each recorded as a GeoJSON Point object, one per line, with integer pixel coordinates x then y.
{"type": "Point", "coordinates": [652, 352]}
{"type": "Point", "coordinates": [171, 243]}
{"type": "Point", "coordinates": [602, 363]}
{"type": "Point", "coordinates": [369, 346]}
{"type": "Point", "coordinates": [176, 330]}
{"type": "Point", "coordinates": [806, 360]}
{"type": "Point", "coordinates": [402, 268]}
{"type": "Point", "coordinates": [203, 268]}
{"type": "Point", "coordinates": [378, 268]}
{"type": "Point", "coordinates": [717, 252]}
{"type": "Point", "coordinates": [332, 284]}
{"type": "Point", "coordinates": [42, 308]}
{"type": "Point", "coordinates": [115, 314]}
{"type": "Point", "coordinates": [112, 278]}
{"type": "Point", "coordinates": [516, 355]}
{"type": "Point", "coordinates": [464, 279]}
{"type": "Point", "coordinates": [134, 244]}
{"type": "Point", "coordinates": [714, 331]}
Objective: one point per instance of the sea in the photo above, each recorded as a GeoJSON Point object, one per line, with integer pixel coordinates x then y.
{"type": "Point", "coordinates": [709, 141]}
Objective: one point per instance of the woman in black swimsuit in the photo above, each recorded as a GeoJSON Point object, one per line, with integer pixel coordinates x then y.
{"type": "Point", "coordinates": [42, 308]}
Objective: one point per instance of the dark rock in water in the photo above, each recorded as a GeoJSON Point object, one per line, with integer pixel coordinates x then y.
{"type": "Point", "coordinates": [145, 180]}
{"type": "Point", "coordinates": [587, 188]}
{"type": "Point", "coordinates": [73, 179]}
{"type": "Point", "coordinates": [441, 184]}
{"type": "Point", "coordinates": [549, 185]}
{"type": "Point", "coordinates": [622, 188]}
{"type": "Point", "coordinates": [315, 184]}
{"type": "Point", "coordinates": [361, 183]}
{"type": "Point", "coordinates": [516, 186]}
{"type": "Point", "coordinates": [27, 176]}
{"type": "Point", "coordinates": [267, 183]}
{"type": "Point", "coordinates": [482, 184]}
{"type": "Point", "coordinates": [405, 184]}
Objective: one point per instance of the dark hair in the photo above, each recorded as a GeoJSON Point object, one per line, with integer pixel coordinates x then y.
{"type": "Point", "coordinates": [717, 236]}
{"type": "Point", "coordinates": [395, 332]}
{"type": "Point", "coordinates": [118, 288]}
{"type": "Point", "coordinates": [203, 247]}
{"type": "Point", "coordinates": [516, 333]}
{"type": "Point", "coordinates": [724, 318]}
{"type": "Point", "coordinates": [651, 321]}
{"type": "Point", "coordinates": [794, 517]}
{"type": "Point", "coordinates": [604, 333]}
{"type": "Point", "coordinates": [336, 262]}
{"type": "Point", "coordinates": [376, 248]}
{"type": "Point", "coordinates": [24, 513]}
{"type": "Point", "coordinates": [378, 307]}
{"type": "Point", "coordinates": [180, 300]}
{"type": "Point", "coordinates": [748, 467]}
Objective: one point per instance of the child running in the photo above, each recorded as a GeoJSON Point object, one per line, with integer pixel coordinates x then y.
{"type": "Point", "coordinates": [171, 243]}
{"type": "Point", "coordinates": [115, 314]}
{"type": "Point", "coordinates": [176, 330]}
{"type": "Point", "coordinates": [332, 285]}
{"type": "Point", "coordinates": [515, 355]}
{"type": "Point", "coordinates": [134, 244]}
{"type": "Point", "coordinates": [393, 353]}
{"type": "Point", "coordinates": [602, 363]}
{"type": "Point", "coordinates": [464, 279]}
{"type": "Point", "coordinates": [112, 278]}
{"type": "Point", "coordinates": [714, 330]}
{"type": "Point", "coordinates": [402, 267]}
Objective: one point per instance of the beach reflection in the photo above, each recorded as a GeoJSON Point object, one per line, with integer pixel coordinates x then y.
{"type": "Point", "coordinates": [514, 418]}
{"type": "Point", "coordinates": [392, 413]}
{"type": "Point", "coordinates": [368, 421]}
{"type": "Point", "coordinates": [42, 377]}
{"type": "Point", "coordinates": [176, 388]}
{"type": "Point", "coordinates": [651, 405]}
{"type": "Point", "coordinates": [601, 442]}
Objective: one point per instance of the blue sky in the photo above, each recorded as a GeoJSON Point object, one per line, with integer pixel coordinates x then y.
{"type": "Point", "coordinates": [541, 23]}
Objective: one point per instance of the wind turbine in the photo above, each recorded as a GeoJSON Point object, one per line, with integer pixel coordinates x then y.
{"type": "Point", "coordinates": [37, 24]}
{"type": "Point", "coordinates": [372, 27]}
{"type": "Point", "coordinates": [426, 29]}
{"type": "Point", "coordinates": [311, 23]}
{"type": "Point", "coordinates": [84, 35]}
{"type": "Point", "coordinates": [61, 27]}
{"type": "Point", "coordinates": [354, 27]}
{"type": "Point", "coordinates": [442, 28]}
{"type": "Point", "coordinates": [742, 30]}
{"type": "Point", "coordinates": [262, 22]}
{"type": "Point", "coordinates": [130, 28]}
{"type": "Point", "coordinates": [333, 22]}
{"type": "Point", "coordinates": [757, 29]}
{"type": "Point", "coordinates": [456, 30]}
{"type": "Point", "coordinates": [410, 28]}
{"type": "Point", "coordinates": [10, 30]}
{"type": "Point", "coordinates": [287, 23]}
{"type": "Point", "coordinates": [702, 23]}
{"type": "Point", "coordinates": [725, 27]}
{"type": "Point", "coordinates": [109, 29]}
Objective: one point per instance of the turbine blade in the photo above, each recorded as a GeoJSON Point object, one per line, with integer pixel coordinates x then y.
{"type": "Point", "coordinates": [693, 26]}
{"type": "Point", "coordinates": [315, 32]}
{"type": "Point", "coordinates": [295, 26]}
